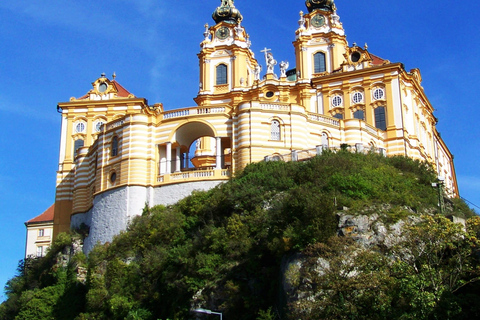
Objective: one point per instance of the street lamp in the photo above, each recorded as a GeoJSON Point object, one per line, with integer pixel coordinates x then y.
{"type": "Point", "coordinates": [200, 310]}
{"type": "Point", "coordinates": [439, 185]}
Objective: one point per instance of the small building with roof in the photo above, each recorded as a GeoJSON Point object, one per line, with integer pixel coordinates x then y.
{"type": "Point", "coordinates": [39, 233]}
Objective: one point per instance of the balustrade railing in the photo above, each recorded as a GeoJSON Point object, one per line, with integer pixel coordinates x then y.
{"type": "Point", "coordinates": [274, 106]}
{"type": "Point", "coordinates": [195, 175]}
{"type": "Point", "coordinates": [192, 111]}
{"type": "Point", "coordinates": [324, 119]}
{"type": "Point", "coordinates": [116, 124]}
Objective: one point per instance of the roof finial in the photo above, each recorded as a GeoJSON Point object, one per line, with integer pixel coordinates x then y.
{"type": "Point", "coordinates": [320, 4]}
{"type": "Point", "coordinates": [103, 74]}
{"type": "Point", "coordinates": [114, 75]}
{"type": "Point", "coordinates": [227, 12]}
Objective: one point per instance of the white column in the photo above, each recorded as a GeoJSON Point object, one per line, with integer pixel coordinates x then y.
{"type": "Point", "coordinates": [178, 167]}
{"type": "Point", "coordinates": [219, 153]}
{"type": "Point", "coordinates": [169, 157]}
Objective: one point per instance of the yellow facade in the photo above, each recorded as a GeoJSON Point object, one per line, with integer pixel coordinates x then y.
{"type": "Point", "coordinates": [336, 95]}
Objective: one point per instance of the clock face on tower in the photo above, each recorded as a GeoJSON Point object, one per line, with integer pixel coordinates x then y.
{"type": "Point", "coordinates": [223, 33]}
{"type": "Point", "coordinates": [318, 21]}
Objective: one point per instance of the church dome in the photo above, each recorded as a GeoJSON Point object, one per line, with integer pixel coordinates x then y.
{"type": "Point", "coordinates": [320, 4]}
{"type": "Point", "coordinates": [227, 12]}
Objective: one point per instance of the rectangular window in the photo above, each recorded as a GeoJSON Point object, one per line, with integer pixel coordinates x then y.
{"type": "Point", "coordinates": [221, 74]}
{"type": "Point", "coordinates": [114, 146]}
{"type": "Point", "coordinates": [319, 62]}
{"type": "Point", "coordinates": [40, 251]}
{"type": "Point", "coordinates": [380, 120]}
{"type": "Point", "coordinates": [41, 232]}
{"type": "Point", "coordinates": [275, 131]}
{"type": "Point", "coordinates": [77, 145]}
{"type": "Point", "coordinates": [359, 114]}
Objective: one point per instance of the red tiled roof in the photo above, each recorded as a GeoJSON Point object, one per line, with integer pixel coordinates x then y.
{"type": "Point", "coordinates": [376, 60]}
{"type": "Point", "coordinates": [47, 216]}
{"type": "Point", "coordinates": [83, 97]}
{"type": "Point", "coordinates": [121, 91]}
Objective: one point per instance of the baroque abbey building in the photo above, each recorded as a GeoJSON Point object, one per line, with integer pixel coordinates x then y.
{"type": "Point", "coordinates": [118, 153]}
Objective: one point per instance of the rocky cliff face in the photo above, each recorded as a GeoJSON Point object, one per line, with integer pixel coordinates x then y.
{"type": "Point", "coordinates": [372, 229]}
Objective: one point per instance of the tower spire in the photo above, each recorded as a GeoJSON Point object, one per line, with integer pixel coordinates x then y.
{"type": "Point", "coordinates": [312, 5]}
{"type": "Point", "coordinates": [227, 12]}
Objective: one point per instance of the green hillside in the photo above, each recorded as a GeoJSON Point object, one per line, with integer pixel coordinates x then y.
{"type": "Point", "coordinates": [267, 245]}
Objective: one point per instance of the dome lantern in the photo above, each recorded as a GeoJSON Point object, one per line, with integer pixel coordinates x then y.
{"type": "Point", "coordinates": [227, 12]}
{"type": "Point", "coordinates": [312, 5]}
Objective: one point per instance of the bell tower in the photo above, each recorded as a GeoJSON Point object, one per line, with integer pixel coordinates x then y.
{"type": "Point", "coordinates": [227, 65]}
{"type": "Point", "coordinates": [320, 41]}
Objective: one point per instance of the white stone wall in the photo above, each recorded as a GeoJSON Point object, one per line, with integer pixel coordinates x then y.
{"type": "Point", "coordinates": [113, 210]}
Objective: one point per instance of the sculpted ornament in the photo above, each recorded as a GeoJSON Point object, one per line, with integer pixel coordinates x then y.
{"type": "Point", "coordinates": [271, 62]}
{"type": "Point", "coordinates": [258, 69]}
{"type": "Point", "coordinates": [283, 68]}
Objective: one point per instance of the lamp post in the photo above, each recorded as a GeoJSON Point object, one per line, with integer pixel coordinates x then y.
{"type": "Point", "coordinates": [439, 185]}
{"type": "Point", "coordinates": [200, 310]}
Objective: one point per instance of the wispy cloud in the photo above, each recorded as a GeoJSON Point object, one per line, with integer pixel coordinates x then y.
{"type": "Point", "coordinates": [8, 106]}
{"type": "Point", "coordinates": [137, 30]}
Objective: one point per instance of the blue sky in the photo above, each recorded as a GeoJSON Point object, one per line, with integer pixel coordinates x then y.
{"type": "Point", "coordinates": [52, 50]}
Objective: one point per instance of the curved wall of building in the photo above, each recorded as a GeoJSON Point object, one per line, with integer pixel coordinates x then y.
{"type": "Point", "coordinates": [113, 210]}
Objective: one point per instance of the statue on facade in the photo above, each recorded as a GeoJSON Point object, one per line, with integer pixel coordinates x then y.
{"type": "Point", "coordinates": [283, 68]}
{"type": "Point", "coordinates": [271, 62]}
{"type": "Point", "coordinates": [258, 69]}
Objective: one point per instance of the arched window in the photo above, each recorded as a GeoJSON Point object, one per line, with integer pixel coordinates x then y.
{"type": "Point", "coordinates": [77, 145]}
{"type": "Point", "coordinates": [324, 141]}
{"type": "Point", "coordinates": [359, 114]}
{"type": "Point", "coordinates": [275, 131]}
{"type": "Point", "coordinates": [114, 146]}
{"type": "Point", "coordinates": [221, 74]}
{"type": "Point", "coordinates": [319, 62]}
{"type": "Point", "coordinates": [380, 120]}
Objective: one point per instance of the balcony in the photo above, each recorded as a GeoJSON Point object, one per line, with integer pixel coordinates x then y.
{"type": "Point", "coordinates": [194, 175]}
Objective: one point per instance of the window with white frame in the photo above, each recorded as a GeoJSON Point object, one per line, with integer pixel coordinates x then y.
{"type": "Point", "coordinates": [357, 97]}
{"type": "Point", "coordinates": [99, 126]}
{"type": "Point", "coordinates": [324, 140]}
{"type": "Point", "coordinates": [41, 232]}
{"type": "Point", "coordinates": [80, 127]}
{"type": "Point", "coordinates": [337, 101]}
{"type": "Point", "coordinates": [275, 130]}
{"type": "Point", "coordinates": [40, 251]}
{"type": "Point", "coordinates": [378, 94]}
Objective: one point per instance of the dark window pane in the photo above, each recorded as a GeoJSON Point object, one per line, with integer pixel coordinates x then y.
{"type": "Point", "coordinates": [319, 62]}
{"type": "Point", "coordinates": [78, 144]}
{"type": "Point", "coordinates": [359, 114]}
{"type": "Point", "coordinates": [221, 74]}
{"type": "Point", "coordinates": [114, 146]}
{"type": "Point", "coordinates": [338, 116]}
{"type": "Point", "coordinates": [380, 120]}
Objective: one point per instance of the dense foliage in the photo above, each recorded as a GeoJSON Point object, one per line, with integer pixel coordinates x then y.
{"type": "Point", "coordinates": [223, 250]}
